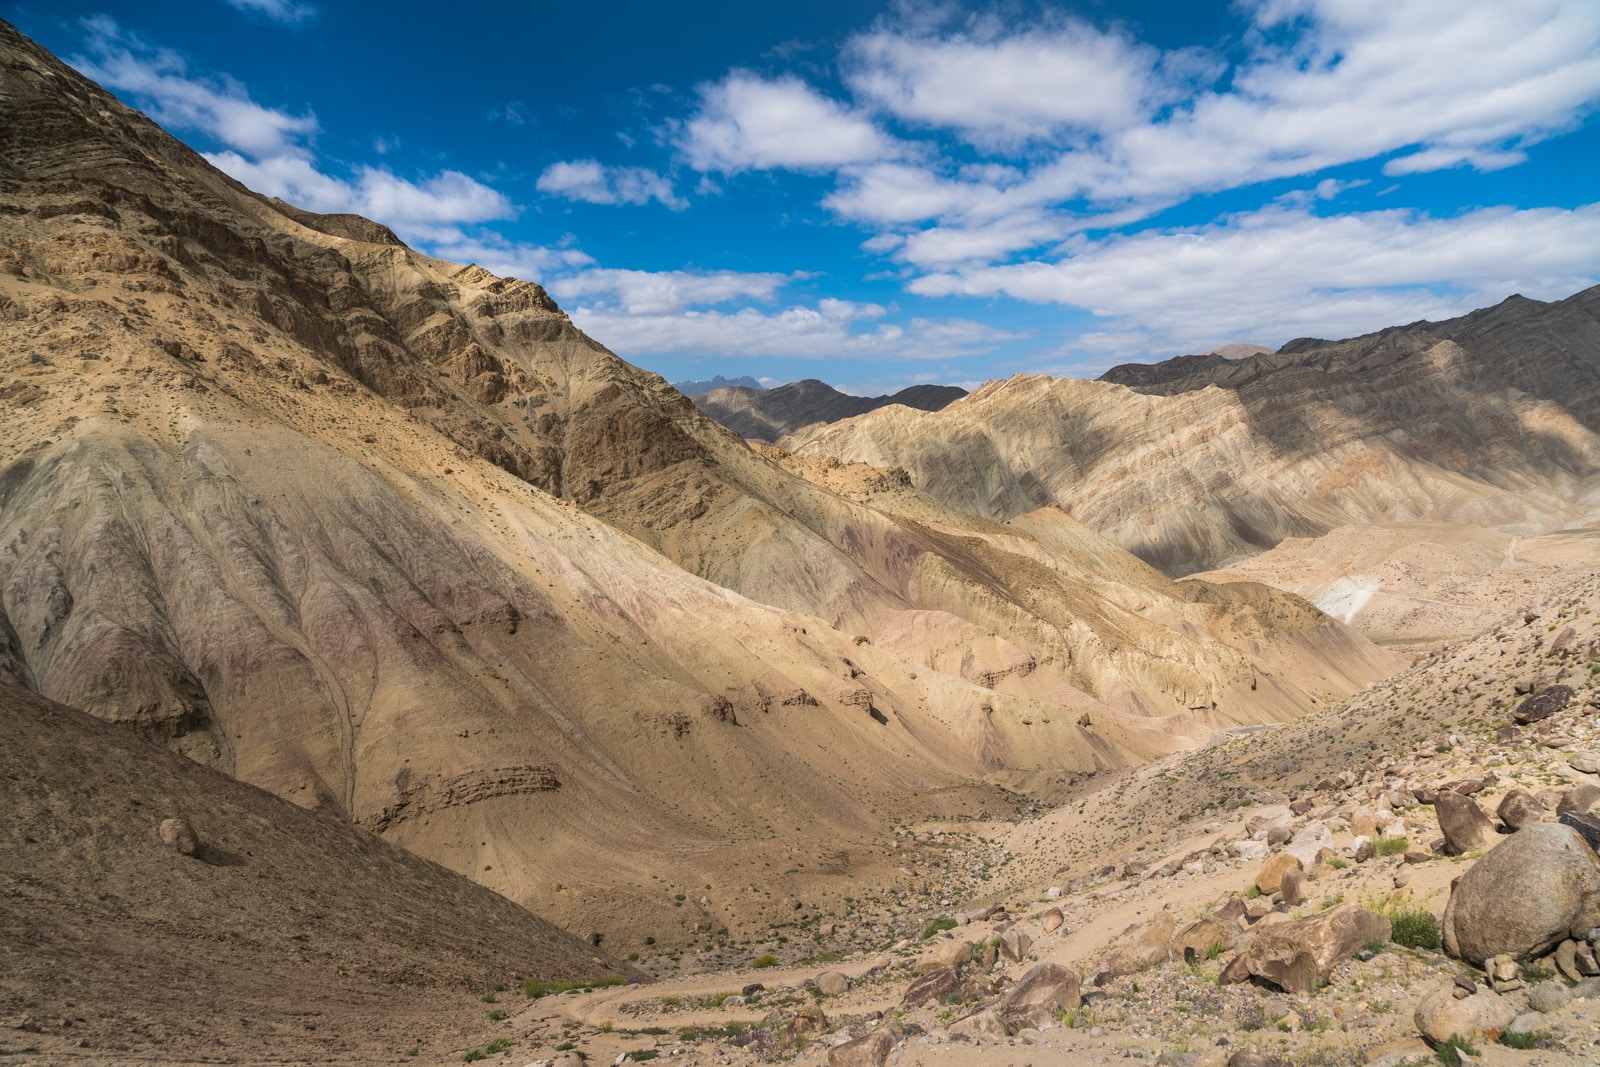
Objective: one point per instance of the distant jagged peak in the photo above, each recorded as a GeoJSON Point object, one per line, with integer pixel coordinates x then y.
{"type": "Point", "coordinates": [767, 415]}
{"type": "Point", "coordinates": [697, 387]}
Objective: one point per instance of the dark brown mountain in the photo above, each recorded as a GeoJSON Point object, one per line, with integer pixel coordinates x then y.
{"type": "Point", "coordinates": [768, 414]}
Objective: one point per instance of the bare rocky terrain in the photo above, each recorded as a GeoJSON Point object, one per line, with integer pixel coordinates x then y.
{"type": "Point", "coordinates": [390, 538]}
{"type": "Point", "coordinates": [294, 513]}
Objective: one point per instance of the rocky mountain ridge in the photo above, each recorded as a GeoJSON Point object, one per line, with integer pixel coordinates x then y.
{"type": "Point", "coordinates": [1490, 419]}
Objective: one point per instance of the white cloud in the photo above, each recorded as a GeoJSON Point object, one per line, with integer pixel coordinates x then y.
{"type": "Point", "coordinates": [1429, 83]}
{"type": "Point", "coordinates": [268, 149]}
{"type": "Point", "coordinates": [639, 292]}
{"type": "Point", "coordinates": [746, 122]}
{"type": "Point", "coordinates": [1062, 79]}
{"type": "Point", "coordinates": [833, 329]}
{"type": "Point", "coordinates": [591, 182]}
{"type": "Point", "coordinates": [1281, 272]}
{"type": "Point", "coordinates": [411, 208]}
{"type": "Point", "coordinates": [277, 10]}
{"type": "Point", "coordinates": [220, 108]}
{"type": "Point", "coordinates": [509, 259]}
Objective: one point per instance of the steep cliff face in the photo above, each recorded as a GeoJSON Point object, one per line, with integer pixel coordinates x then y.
{"type": "Point", "coordinates": [1489, 419]}
{"type": "Point", "coordinates": [392, 538]}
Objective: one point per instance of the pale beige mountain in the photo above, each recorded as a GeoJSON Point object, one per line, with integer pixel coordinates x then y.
{"type": "Point", "coordinates": [1490, 419]}
{"type": "Point", "coordinates": [391, 538]}
{"type": "Point", "coordinates": [1414, 585]}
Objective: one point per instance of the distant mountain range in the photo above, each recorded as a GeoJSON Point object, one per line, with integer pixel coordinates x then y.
{"type": "Point", "coordinates": [768, 414]}
{"type": "Point", "coordinates": [1492, 419]}
{"type": "Point", "coordinates": [718, 382]}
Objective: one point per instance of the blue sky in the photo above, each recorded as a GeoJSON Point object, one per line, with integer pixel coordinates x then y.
{"type": "Point", "coordinates": [879, 194]}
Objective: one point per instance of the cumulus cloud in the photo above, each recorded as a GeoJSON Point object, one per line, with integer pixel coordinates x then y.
{"type": "Point", "coordinates": [746, 122]}
{"type": "Point", "coordinates": [832, 329]}
{"type": "Point", "coordinates": [1281, 272]}
{"type": "Point", "coordinates": [269, 149]}
{"type": "Point", "coordinates": [1089, 129]}
{"type": "Point", "coordinates": [277, 10]}
{"type": "Point", "coordinates": [998, 88]}
{"type": "Point", "coordinates": [593, 183]}
{"type": "Point", "coordinates": [639, 292]}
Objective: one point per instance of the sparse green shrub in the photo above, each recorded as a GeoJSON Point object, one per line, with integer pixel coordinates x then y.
{"type": "Point", "coordinates": [498, 1045]}
{"type": "Point", "coordinates": [766, 960]}
{"type": "Point", "coordinates": [1390, 846]}
{"type": "Point", "coordinates": [1415, 928]}
{"type": "Point", "coordinates": [937, 925]}
{"type": "Point", "coordinates": [1448, 1048]}
{"type": "Point", "coordinates": [1532, 1039]}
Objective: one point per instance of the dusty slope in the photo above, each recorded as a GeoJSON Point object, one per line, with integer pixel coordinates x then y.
{"type": "Point", "coordinates": [288, 934]}
{"type": "Point", "coordinates": [768, 414]}
{"type": "Point", "coordinates": [1489, 419]}
{"type": "Point", "coordinates": [327, 514]}
{"type": "Point", "coordinates": [1414, 585]}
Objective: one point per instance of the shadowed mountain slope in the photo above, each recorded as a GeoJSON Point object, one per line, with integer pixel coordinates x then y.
{"type": "Point", "coordinates": [390, 537]}
{"type": "Point", "coordinates": [1490, 419]}
{"type": "Point", "coordinates": [768, 414]}
{"type": "Point", "coordinates": [112, 941]}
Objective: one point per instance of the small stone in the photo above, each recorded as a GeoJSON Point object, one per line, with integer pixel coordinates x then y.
{"type": "Point", "coordinates": [1566, 959]}
{"type": "Point", "coordinates": [833, 983]}
{"type": "Point", "coordinates": [178, 835]}
{"type": "Point", "coordinates": [1548, 996]}
{"type": "Point", "coordinates": [1271, 876]}
{"type": "Point", "coordinates": [1293, 888]}
{"type": "Point", "coordinates": [1051, 920]}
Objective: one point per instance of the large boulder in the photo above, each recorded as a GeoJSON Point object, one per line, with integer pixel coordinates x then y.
{"type": "Point", "coordinates": [1043, 991]}
{"type": "Point", "coordinates": [1271, 876]}
{"type": "Point", "coordinates": [1542, 705]}
{"type": "Point", "coordinates": [944, 954]}
{"type": "Point", "coordinates": [869, 1051]}
{"type": "Point", "coordinates": [1267, 818]}
{"type": "Point", "coordinates": [1297, 956]}
{"type": "Point", "coordinates": [1143, 947]}
{"type": "Point", "coordinates": [935, 987]}
{"type": "Point", "coordinates": [1197, 940]}
{"type": "Point", "coordinates": [1464, 825]}
{"type": "Point", "coordinates": [1536, 888]}
{"type": "Point", "coordinates": [1309, 842]}
{"type": "Point", "coordinates": [1518, 808]}
{"type": "Point", "coordinates": [1483, 1016]}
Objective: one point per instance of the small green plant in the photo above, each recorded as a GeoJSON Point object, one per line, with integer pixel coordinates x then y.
{"type": "Point", "coordinates": [1390, 846]}
{"type": "Point", "coordinates": [1415, 928]}
{"type": "Point", "coordinates": [1443, 746]}
{"type": "Point", "coordinates": [496, 1015]}
{"type": "Point", "coordinates": [938, 925]}
{"type": "Point", "coordinates": [1215, 949]}
{"type": "Point", "coordinates": [498, 1045]}
{"type": "Point", "coordinates": [1524, 1041]}
{"type": "Point", "coordinates": [1536, 971]}
{"type": "Point", "coordinates": [1252, 892]}
{"type": "Point", "coordinates": [1338, 863]}
{"type": "Point", "coordinates": [488, 998]}
{"type": "Point", "coordinates": [766, 960]}
{"type": "Point", "coordinates": [1448, 1048]}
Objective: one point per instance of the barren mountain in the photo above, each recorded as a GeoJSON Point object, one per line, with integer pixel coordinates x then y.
{"type": "Point", "coordinates": [391, 538]}
{"type": "Point", "coordinates": [1489, 419]}
{"type": "Point", "coordinates": [768, 414]}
